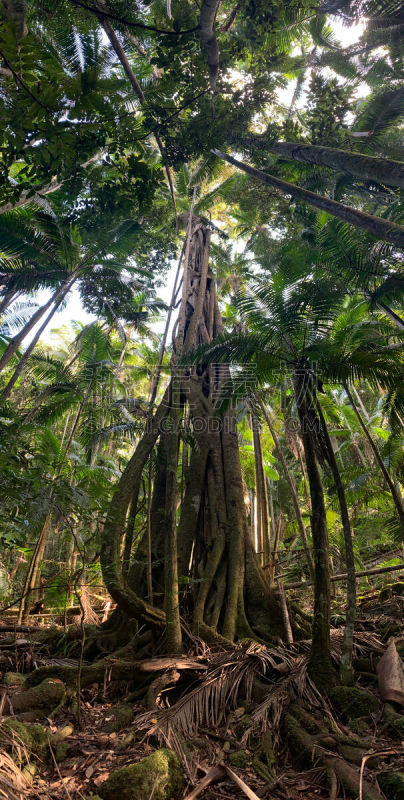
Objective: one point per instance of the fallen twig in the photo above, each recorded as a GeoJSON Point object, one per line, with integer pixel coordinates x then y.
{"type": "Point", "coordinates": [366, 758]}
{"type": "Point", "coordinates": [240, 783]}
{"type": "Point", "coordinates": [213, 775]}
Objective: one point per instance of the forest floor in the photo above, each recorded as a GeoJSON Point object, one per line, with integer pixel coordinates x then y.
{"type": "Point", "coordinates": [217, 724]}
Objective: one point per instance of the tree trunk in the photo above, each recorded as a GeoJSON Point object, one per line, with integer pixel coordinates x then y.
{"type": "Point", "coordinates": [293, 491]}
{"type": "Point", "coordinates": [207, 20]}
{"type": "Point", "coordinates": [15, 12]}
{"type": "Point", "coordinates": [16, 341]}
{"type": "Point", "coordinates": [261, 492]}
{"type": "Point", "coordinates": [346, 668]}
{"type": "Point", "coordinates": [24, 358]}
{"type": "Point", "coordinates": [367, 168]}
{"type": "Point", "coordinates": [149, 541]}
{"type": "Point", "coordinates": [171, 598]}
{"type": "Point", "coordinates": [395, 493]}
{"type": "Point", "coordinates": [126, 492]}
{"type": "Point", "coordinates": [33, 569]}
{"type": "Point", "coordinates": [223, 590]}
{"type": "Point", "coordinates": [320, 663]}
{"type": "Point", "coordinates": [376, 226]}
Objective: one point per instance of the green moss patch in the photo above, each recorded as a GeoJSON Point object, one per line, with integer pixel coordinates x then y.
{"type": "Point", "coordinates": [33, 737]}
{"type": "Point", "coordinates": [118, 717]}
{"type": "Point", "coordinates": [13, 679]}
{"type": "Point", "coordinates": [158, 776]}
{"type": "Point", "coordinates": [240, 759]}
{"type": "Point", "coordinates": [351, 703]}
{"type": "Point", "coordinates": [392, 784]}
{"type": "Point", "coordinates": [46, 696]}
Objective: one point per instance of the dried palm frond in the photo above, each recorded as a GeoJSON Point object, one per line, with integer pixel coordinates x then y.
{"type": "Point", "coordinates": [216, 694]}
{"type": "Point", "coordinates": [15, 768]}
{"type": "Point", "coordinates": [13, 783]}
{"type": "Point", "coordinates": [364, 643]}
{"type": "Point", "coordinates": [296, 685]}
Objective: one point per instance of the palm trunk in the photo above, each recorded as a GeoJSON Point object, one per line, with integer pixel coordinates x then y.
{"type": "Point", "coordinates": [367, 168]}
{"type": "Point", "coordinates": [346, 669]}
{"type": "Point", "coordinates": [117, 47]}
{"type": "Point", "coordinates": [24, 358]}
{"type": "Point", "coordinates": [293, 491]}
{"type": "Point", "coordinates": [33, 569]}
{"type": "Point", "coordinates": [395, 318]}
{"type": "Point", "coordinates": [395, 493]}
{"type": "Point", "coordinates": [320, 656]}
{"type": "Point", "coordinates": [16, 341]}
{"type": "Point", "coordinates": [207, 19]}
{"type": "Point", "coordinates": [171, 598]}
{"type": "Point", "coordinates": [149, 538]}
{"type": "Point", "coordinates": [8, 298]}
{"type": "Point", "coordinates": [252, 520]}
{"type": "Point", "coordinates": [380, 228]}
{"type": "Point", "coordinates": [261, 495]}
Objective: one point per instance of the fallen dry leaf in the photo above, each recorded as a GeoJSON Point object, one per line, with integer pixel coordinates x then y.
{"type": "Point", "coordinates": [390, 675]}
{"type": "Point", "coordinates": [101, 778]}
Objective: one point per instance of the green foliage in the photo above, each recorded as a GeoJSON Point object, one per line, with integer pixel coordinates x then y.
{"type": "Point", "coordinates": [327, 105]}
{"type": "Point", "coordinates": [297, 289]}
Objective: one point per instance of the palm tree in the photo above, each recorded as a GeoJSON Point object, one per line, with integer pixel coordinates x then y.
{"type": "Point", "coordinates": [60, 258]}
{"type": "Point", "coordinates": [83, 392]}
{"type": "Point", "coordinates": [290, 322]}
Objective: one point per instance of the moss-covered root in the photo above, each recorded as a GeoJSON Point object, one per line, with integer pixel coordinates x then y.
{"type": "Point", "coordinates": [349, 777]}
{"type": "Point", "coordinates": [352, 703]}
{"type": "Point", "coordinates": [33, 738]}
{"type": "Point", "coordinates": [308, 738]}
{"type": "Point", "coordinates": [158, 776]}
{"type": "Point", "coordinates": [14, 679]}
{"type": "Point", "coordinates": [42, 698]}
{"type": "Point", "coordinates": [264, 758]}
{"type": "Point", "coordinates": [392, 784]}
{"type": "Point", "coordinates": [394, 721]}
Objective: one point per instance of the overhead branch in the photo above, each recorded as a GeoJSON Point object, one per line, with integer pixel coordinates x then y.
{"type": "Point", "coordinates": [343, 576]}
{"type": "Point", "coordinates": [129, 23]}
{"type": "Point", "coordinates": [207, 20]}
{"type": "Point", "coordinates": [383, 170]}
{"type": "Point", "coordinates": [116, 45]}
{"type": "Point", "coordinates": [376, 226]}
{"type": "Point", "coordinates": [15, 12]}
{"type": "Point", "coordinates": [230, 20]}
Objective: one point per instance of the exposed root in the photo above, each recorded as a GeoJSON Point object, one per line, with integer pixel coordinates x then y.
{"type": "Point", "coordinates": [115, 670]}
